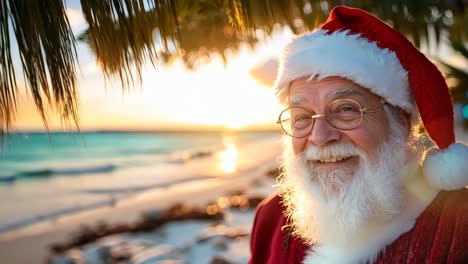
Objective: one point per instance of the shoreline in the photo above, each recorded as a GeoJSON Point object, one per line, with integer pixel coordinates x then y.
{"type": "Point", "coordinates": [91, 190]}
{"type": "Point", "coordinates": [38, 237]}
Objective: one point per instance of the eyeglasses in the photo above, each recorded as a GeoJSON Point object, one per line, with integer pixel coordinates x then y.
{"type": "Point", "coordinates": [342, 114]}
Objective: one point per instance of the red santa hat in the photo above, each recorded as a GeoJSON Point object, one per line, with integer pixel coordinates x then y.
{"type": "Point", "coordinates": [362, 48]}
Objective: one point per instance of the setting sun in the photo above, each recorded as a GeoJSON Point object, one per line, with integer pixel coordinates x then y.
{"type": "Point", "coordinates": [214, 95]}
{"type": "Point", "coordinates": [234, 125]}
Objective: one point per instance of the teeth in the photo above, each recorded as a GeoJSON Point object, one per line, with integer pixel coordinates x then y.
{"type": "Point", "coordinates": [333, 159]}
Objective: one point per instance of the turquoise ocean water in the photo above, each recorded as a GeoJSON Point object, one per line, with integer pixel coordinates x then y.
{"type": "Point", "coordinates": [44, 175]}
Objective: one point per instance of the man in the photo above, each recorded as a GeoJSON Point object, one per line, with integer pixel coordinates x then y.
{"type": "Point", "coordinates": [360, 185]}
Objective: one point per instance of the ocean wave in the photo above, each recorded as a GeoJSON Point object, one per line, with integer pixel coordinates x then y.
{"type": "Point", "coordinates": [184, 156]}
{"type": "Point", "coordinates": [88, 170]}
{"type": "Point", "coordinates": [139, 151]}
{"type": "Point", "coordinates": [5, 227]}
{"type": "Point", "coordinates": [7, 178]}
{"type": "Point", "coordinates": [137, 189]}
{"type": "Point", "coordinates": [49, 172]}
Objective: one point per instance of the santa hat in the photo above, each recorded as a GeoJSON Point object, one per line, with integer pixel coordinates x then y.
{"type": "Point", "coordinates": [362, 48]}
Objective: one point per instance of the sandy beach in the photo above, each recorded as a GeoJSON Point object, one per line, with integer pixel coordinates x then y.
{"type": "Point", "coordinates": [31, 244]}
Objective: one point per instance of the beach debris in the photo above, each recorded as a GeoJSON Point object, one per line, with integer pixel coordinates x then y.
{"type": "Point", "coordinates": [220, 260]}
{"type": "Point", "coordinates": [156, 255]}
{"type": "Point", "coordinates": [153, 214]}
{"type": "Point", "coordinates": [239, 201]}
{"type": "Point", "coordinates": [220, 243]}
{"type": "Point", "coordinates": [106, 243]}
{"type": "Point", "coordinates": [274, 172]}
{"type": "Point", "coordinates": [178, 212]}
{"type": "Point", "coordinates": [73, 256]}
{"type": "Point", "coordinates": [223, 231]}
{"type": "Point", "coordinates": [123, 251]}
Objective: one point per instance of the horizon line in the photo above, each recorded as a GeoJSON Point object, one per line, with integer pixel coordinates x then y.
{"type": "Point", "coordinates": [169, 130]}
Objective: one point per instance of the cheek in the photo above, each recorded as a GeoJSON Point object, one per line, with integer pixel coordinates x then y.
{"type": "Point", "coordinates": [299, 145]}
{"type": "Point", "coordinates": [372, 134]}
{"type": "Point", "coordinates": [369, 139]}
{"type": "Point", "coordinates": [369, 143]}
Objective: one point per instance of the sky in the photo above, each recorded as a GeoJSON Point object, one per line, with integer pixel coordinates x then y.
{"type": "Point", "coordinates": [171, 97]}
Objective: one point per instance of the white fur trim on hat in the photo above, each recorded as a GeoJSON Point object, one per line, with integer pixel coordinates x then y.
{"type": "Point", "coordinates": [346, 55]}
{"type": "Point", "coordinates": [447, 169]}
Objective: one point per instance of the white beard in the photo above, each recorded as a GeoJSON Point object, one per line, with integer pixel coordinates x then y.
{"type": "Point", "coordinates": [332, 207]}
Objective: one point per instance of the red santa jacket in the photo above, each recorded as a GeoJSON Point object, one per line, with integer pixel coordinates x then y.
{"type": "Point", "coordinates": [440, 235]}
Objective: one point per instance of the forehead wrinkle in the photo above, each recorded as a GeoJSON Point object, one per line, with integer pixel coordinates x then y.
{"type": "Point", "coordinates": [297, 100]}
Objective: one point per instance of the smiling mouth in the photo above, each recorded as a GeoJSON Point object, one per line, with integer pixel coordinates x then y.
{"type": "Point", "coordinates": [332, 160]}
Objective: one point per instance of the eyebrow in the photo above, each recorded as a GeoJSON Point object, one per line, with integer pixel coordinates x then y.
{"type": "Point", "coordinates": [296, 101]}
{"type": "Point", "coordinates": [345, 92]}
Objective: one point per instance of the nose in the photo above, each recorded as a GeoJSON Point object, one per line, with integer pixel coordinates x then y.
{"type": "Point", "coordinates": [323, 133]}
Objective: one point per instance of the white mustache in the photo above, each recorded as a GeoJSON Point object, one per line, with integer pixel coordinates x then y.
{"type": "Point", "coordinates": [339, 150]}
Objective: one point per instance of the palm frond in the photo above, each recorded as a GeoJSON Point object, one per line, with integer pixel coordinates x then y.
{"type": "Point", "coordinates": [8, 88]}
{"type": "Point", "coordinates": [48, 57]}
{"type": "Point", "coordinates": [412, 18]}
{"type": "Point", "coordinates": [459, 47]}
{"type": "Point", "coordinates": [202, 30]}
{"type": "Point", "coordinates": [459, 87]}
{"type": "Point", "coordinates": [121, 34]}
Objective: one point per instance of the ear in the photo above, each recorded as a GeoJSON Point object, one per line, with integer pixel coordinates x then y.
{"type": "Point", "coordinates": [404, 117]}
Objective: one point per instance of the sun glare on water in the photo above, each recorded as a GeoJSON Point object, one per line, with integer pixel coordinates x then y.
{"type": "Point", "coordinates": [229, 156]}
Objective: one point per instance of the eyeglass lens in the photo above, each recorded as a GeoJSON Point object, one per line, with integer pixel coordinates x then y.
{"type": "Point", "coordinates": [342, 114]}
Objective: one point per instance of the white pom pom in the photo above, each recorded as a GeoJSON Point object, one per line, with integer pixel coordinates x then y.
{"type": "Point", "coordinates": [447, 169]}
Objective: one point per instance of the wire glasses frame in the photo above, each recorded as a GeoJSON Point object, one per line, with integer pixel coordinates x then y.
{"type": "Point", "coordinates": [342, 114]}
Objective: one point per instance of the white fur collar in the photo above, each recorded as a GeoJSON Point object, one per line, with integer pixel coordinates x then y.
{"type": "Point", "coordinates": [372, 239]}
